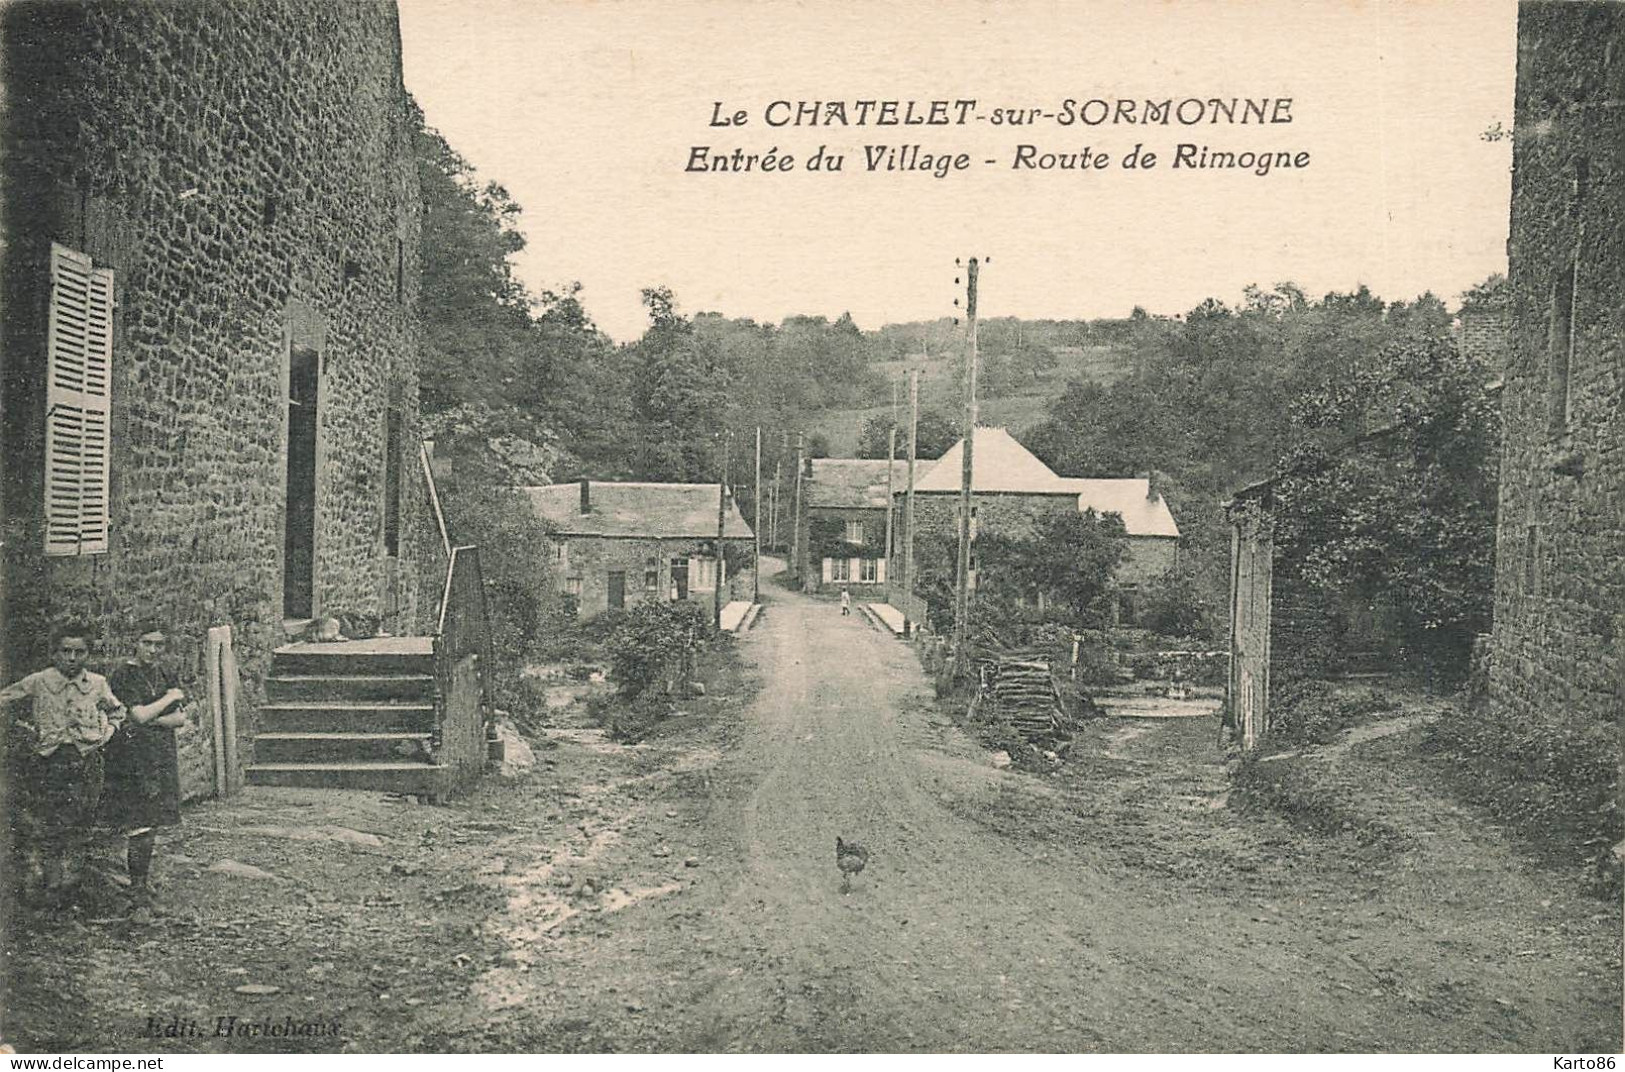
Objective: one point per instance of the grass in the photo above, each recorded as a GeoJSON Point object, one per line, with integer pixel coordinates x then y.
{"type": "Point", "coordinates": [1022, 407]}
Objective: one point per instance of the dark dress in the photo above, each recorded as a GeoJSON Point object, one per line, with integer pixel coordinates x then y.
{"type": "Point", "coordinates": [143, 784]}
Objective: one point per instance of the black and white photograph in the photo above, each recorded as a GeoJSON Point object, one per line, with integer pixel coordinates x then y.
{"type": "Point", "coordinates": [634, 527]}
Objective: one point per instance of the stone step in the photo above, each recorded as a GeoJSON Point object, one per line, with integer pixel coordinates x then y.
{"type": "Point", "coordinates": [330, 716]}
{"type": "Point", "coordinates": [318, 659]}
{"type": "Point", "coordinates": [422, 779]}
{"type": "Point", "coordinates": [341, 747]}
{"type": "Point", "coordinates": [286, 688]}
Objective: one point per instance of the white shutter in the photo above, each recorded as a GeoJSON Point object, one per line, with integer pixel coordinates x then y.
{"type": "Point", "coordinates": [829, 570]}
{"type": "Point", "coordinates": [880, 571]}
{"type": "Point", "coordinates": [78, 433]}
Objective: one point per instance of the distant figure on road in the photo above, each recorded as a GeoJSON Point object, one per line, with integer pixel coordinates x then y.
{"type": "Point", "coordinates": [846, 602]}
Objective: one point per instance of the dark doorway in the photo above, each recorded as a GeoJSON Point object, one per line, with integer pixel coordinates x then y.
{"type": "Point", "coordinates": [679, 578]}
{"type": "Point", "coordinates": [617, 589]}
{"type": "Point", "coordinates": [299, 526]}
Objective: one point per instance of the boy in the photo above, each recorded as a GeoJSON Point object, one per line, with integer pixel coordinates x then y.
{"type": "Point", "coordinates": [74, 714]}
{"type": "Point", "coordinates": [143, 789]}
{"type": "Point", "coordinates": [846, 602]}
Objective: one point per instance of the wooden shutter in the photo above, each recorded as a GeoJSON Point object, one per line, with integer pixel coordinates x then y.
{"type": "Point", "coordinates": [78, 432]}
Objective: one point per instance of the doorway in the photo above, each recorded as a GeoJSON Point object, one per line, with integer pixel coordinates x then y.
{"type": "Point", "coordinates": [299, 519]}
{"type": "Point", "coordinates": [617, 589]}
{"type": "Point", "coordinates": [679, 578]}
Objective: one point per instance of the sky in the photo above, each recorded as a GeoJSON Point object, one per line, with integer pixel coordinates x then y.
{"type": "Point", "coordinates": [589, 113]}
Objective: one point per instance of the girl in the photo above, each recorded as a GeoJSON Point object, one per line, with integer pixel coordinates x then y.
{"type": "Point", "coordinates": [143, 789]}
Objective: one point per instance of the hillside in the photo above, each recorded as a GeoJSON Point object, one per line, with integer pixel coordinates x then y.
{"type": "Point", "coordinates": [1015, 395]}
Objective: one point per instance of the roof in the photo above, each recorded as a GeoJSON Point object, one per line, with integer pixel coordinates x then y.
{"type": "Point", "coordinates": [1130, 499]}
{"type": "Point", "coordinates": [998, 463]}
{"type": "Point", "coordinates": [631, 509]}
{"type": "Point", "coordinates": [855, 482]}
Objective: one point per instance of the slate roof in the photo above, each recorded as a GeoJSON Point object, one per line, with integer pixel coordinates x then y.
{"type": "Point", "coordinates": [998, 463]}
{"type": "Point", "coordinates": [1001, 464]}
{"type": "Point", "coordinates": [856, 482]}
{"type": "Point", "coordinates": [637, 510]}
{"type": "Point", "coordinates": [1127, 498]}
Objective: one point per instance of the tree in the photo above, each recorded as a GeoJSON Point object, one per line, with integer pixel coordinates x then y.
{"type": "Point", "coordinates": [936, 433]}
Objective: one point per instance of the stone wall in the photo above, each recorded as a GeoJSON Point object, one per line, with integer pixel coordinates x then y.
{"type": "Point", "coordinates": [244, 167]}
{"type": "Point", "coordinates": [1560, 549]}
{"type": "Point", "coordinates": [591, 559]}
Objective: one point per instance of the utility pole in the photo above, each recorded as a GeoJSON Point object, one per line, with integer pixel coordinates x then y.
{"type": "Point", "coordinates": [722, 521]}
{"type": "Point", "coordinates": [962, 576]}
{"type": "Point", "coordinates": [908, 507]}
{"type": "Point", "coordinates": [891, 454]}
{"type": "Point", "coordinates": [795, 518]}
{"type": "Point", "coordinates": [756, 578]}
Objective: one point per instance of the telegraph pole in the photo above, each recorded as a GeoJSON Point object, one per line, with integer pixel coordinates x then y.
{"type": "Point", "coordinates": [722, 521]}
{"type": "Point", "coordinates": [795, 518]}
{"type": "Point", "coordinates": [908, 507]}
{"type": "Point", "coordinates": [891, 510]}
{"type": "Point", "coordinates": [962, 575]}
{"type": "Point", "coordinates": [756, 578]}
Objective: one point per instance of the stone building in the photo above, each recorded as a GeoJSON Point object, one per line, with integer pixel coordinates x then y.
{"type": "Point", "coordinates": [1012, 490]}
{"type": "Point", "coordinates": [615, 544]}
{"type": "Point", "coordinates": [1559, 633]}
{"type": "Point", "coordinates": [844, 540]}
{"type": "Point", "coordinates": [210, 382]}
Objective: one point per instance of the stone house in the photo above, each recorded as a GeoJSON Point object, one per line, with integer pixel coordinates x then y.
{"type": "Point", "coordinates": [615, 544]}
{"type": "Point", "coordinates": [1559, 631]}
{"type": "Point", "coordinates": [844, 540]}
{"type": "Point", "coordinates": [1012, 491]}
{"type": "Point", "coordinates": [210, 387]}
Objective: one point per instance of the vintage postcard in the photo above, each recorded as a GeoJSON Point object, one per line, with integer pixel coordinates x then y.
{"type": "Point", "coordinates": [606, 526]}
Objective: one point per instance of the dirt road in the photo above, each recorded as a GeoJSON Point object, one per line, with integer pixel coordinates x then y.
{"type": "Point", "coordinates": [993, 918]}
{"type": "Point", "coordinates": [681, 894]}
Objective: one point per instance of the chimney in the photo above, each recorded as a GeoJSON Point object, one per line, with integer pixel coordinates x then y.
{"type": "Point", "coordinates": [586, 496]}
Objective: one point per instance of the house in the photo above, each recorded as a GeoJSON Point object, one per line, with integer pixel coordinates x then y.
{"type": "Point", "coordinates": [1012, 490]}
{"type": "Point", "coordinates": [1558, 641]}
{"type": "Point", "coordinates": [617, 543]}
{"type": "Point", "coordinates": [844, 540]}
{"type": "Point", "coordinates": [210, 385]}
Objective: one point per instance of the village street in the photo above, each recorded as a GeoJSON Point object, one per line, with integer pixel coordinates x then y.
{"type": "Point", "coordinates": [681, 894]}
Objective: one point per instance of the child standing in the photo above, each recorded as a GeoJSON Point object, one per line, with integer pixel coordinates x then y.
{"type": "Point", "coordinates": [143, 789]}
{"type": "Point", "coordinates": [74, 714]}
{"type": "Point", "coordinates": [846, 602]}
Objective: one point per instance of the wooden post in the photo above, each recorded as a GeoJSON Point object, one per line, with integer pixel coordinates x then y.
{"type": "Point", "coordinates": [962, 573]}
{"type": "Point", "coordinates": [796, 568]}
{"type": "Point", "coordinates": [756, 578]}
{"type": "Point", "coordinates": [891, 454]}
{"type": "Point", "coordinates": [908, 502]}
{"type": "Point", "coordinates": [722, 521]}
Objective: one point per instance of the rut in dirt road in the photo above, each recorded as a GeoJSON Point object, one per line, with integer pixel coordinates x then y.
{"type": "Point", "coordinates": [955, 937]}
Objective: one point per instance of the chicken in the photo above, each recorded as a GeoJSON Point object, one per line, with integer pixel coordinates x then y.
{"type": "Point", "coordinates": [851, 858]}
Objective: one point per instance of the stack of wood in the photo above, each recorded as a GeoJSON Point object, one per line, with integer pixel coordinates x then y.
{"type": "Point", "coordinates": [1024, 695]}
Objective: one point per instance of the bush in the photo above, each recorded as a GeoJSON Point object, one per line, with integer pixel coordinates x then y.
{"type": "Point", "coordinates": [653, 643]}
{"type": "Point", "coordinates": [1177, 606]}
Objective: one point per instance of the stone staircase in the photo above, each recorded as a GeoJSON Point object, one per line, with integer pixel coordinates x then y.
{"type": "Point", "coordinates": [356, 714]}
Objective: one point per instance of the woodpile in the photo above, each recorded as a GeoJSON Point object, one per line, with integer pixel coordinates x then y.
{"type": "Point", "coordinates": [1023, 693]}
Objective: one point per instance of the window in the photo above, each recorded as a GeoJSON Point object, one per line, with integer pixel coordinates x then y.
{"type": "Point", "coordinates": [78, 393]}
{"type": "Point", "coordinates": [651, 572]}
{"type": "Point", "coordinates": [392, 483]}
{"type": "Point", "coordinates": [572, 585]}
{"type": "Point", "coordinates": [840, 569]}
{"type": "Point", "coordinates": [702, 573]}
{"type": "Point", "coordinates": [561, 554]}
{"type": "Point", "coordinates": [869, 572]}
{"type": "Point", "coordinates": [854, 532]}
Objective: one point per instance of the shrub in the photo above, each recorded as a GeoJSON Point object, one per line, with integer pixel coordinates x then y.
{"type": "Point", "coordinates": [652, 643]}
